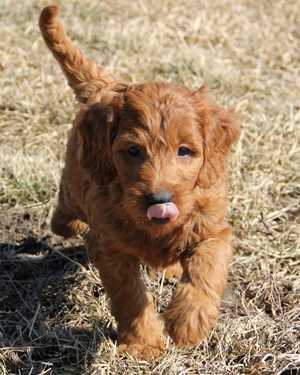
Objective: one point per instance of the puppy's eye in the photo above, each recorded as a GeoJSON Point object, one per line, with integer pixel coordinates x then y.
{"type": "Point", "coordinates": [134, 151]}
{"type": "Point", "coordinates": [184, 152]}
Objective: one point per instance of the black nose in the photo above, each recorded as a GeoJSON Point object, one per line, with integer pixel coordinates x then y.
{"type": "Point", "coordinates": [159, 197]}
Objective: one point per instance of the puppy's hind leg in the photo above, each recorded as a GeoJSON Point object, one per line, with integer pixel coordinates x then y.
{"type": "Point", "coordinates": [65, 223]}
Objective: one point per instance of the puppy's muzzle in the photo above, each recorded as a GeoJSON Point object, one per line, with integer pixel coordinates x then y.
{"type": "Point", "coordinates": [160, 207]}
{"type": "Point", "coordinates": [158, 198]}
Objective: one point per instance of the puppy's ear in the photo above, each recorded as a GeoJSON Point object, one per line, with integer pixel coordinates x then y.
{"type": "Point", "coordinates": [97, 125]}
{"type": "Point", "coordinates": [220, 128]}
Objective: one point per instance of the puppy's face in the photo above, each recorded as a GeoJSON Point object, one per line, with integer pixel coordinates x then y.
{"type": "Point", "coordinates": [158, 154]}
{"type": "Point", "coordinates": [155, 147]}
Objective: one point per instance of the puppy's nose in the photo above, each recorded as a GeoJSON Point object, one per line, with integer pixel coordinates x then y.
{"type": "Point", "coordinates": [158, 198]}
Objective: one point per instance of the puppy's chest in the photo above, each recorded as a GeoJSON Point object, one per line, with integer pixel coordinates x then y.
{"type": "Point", "coordinates": [157, 252]}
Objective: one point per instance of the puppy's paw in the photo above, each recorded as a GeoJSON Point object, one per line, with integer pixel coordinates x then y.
{"type": "Point", "coordinates": [173, 271]}
{"type": "Point", "coordinates": [170, 272]}
{"type": "Point", "coordinates": [189, 323]}
{"type": "Point", "coordinates": [141, 350]}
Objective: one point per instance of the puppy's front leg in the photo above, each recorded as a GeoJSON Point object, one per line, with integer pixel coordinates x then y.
{"type": "Point", "coordinates": [139, 330]}
{"type": "Point", "coordinates": [195, 305]}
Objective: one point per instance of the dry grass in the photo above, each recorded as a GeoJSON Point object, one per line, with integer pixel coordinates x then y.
{"type": "Point", "coordinates": [54, 316]}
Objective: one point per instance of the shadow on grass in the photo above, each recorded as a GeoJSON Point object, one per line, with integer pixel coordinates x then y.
{"type": "Point", "coordinates": [41, 327]}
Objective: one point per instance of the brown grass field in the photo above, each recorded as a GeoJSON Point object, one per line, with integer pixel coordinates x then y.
{"type": "Point", "coordinates": [54, 315]}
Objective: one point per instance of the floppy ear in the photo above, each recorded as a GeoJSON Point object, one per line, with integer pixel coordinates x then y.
{"type": "Point", "coordinates": [97, 125]}
{"type": "Point", "coordinates": [220, 128]}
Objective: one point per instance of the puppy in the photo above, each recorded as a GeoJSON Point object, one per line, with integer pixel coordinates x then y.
{"type": "Point", "coordinates": [146, 173]}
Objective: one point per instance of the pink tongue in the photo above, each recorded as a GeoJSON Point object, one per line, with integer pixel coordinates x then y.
{"type": "Point", "coordinates": [163, 211]}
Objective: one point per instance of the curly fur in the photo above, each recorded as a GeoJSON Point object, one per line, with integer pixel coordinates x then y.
{"type": "Point", "coordinates": [103, 189]}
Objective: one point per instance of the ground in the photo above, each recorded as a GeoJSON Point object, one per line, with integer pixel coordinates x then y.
{"type": "Point", "coordinates": [54, 315]}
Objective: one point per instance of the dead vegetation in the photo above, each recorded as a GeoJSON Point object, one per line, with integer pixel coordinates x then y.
{"type": "Point", "coordinates": [54, 316]}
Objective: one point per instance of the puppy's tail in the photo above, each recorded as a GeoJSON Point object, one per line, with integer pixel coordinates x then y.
{"type": "Point", "coordinates": [84, 76]}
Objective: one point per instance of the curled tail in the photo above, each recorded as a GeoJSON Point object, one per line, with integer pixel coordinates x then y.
{"type": "Point", "coordinates": [84, 76]}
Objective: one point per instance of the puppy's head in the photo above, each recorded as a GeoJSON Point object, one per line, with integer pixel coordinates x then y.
{"type": "Point", "coordinates": [158, 143]}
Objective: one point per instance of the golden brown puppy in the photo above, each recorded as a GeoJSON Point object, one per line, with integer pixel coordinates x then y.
{"type": "Point", "coordinates": [146, 172]}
